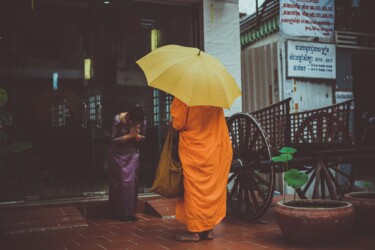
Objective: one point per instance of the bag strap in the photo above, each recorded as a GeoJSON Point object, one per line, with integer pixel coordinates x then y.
{"type": "Point", "coordinates": [170, 134]}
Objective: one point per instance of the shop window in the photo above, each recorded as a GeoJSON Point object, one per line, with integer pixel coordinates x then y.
{"type": "Point", "coordinates": [59, 114]}
{"type": "Point", "coordinates": [94, 102]}
{"type": "Point", "coordinates": [162, 102]}
{"type": "Point", "coordinates": [156, 108]}
{"type": "Point", "coordinates": [93, 112]}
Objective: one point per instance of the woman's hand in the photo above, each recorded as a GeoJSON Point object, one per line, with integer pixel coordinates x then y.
{"type": "Point", "coordinates": [140, 137]}
{"type": "Point", "coordinates": [134, 131]}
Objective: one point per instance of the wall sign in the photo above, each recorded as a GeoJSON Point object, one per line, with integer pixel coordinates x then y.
{"type": "Point", "coordinates": [343, 96]}
{"type": "Point", "coordinates": [314, 18]}
{"type": "Point", "coordinates": [311, 60]}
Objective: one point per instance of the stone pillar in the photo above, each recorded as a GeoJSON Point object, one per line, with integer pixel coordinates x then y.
{"type": "Point", "coordinates": [222, 39]}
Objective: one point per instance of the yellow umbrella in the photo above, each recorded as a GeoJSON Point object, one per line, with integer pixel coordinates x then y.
{"type": "Point", "coordinates": [194, 77]}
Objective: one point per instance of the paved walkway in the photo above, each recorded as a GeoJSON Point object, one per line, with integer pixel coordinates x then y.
{"type": "Point", "coordinates": [151, 232]}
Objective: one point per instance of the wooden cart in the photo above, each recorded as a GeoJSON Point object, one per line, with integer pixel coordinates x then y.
{"type": "Point", "coordinates": [323, 141]}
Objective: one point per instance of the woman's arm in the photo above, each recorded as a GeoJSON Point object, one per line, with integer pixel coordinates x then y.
{"type": "Point", "coordinates": [116, 136]}
{"type": "Point", "coordinates": [142, 135]}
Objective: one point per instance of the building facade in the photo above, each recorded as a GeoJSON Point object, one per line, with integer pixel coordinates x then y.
{"type": "Point", "coordinates": [317, 53]}
{"type": "Point", "coordinates": [68, 66]}
{"type": "Point", "coordinates": [267, 76]}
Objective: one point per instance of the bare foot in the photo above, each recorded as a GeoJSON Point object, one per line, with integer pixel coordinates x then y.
{"type": "Point", "coordinates": [188, 236]}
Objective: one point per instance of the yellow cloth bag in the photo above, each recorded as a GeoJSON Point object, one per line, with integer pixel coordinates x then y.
{"type": "Point", "coordinates": [168, 180]}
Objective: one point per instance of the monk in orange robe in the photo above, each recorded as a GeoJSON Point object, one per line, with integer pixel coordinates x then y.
{"type": "Point", "coordinates": [205, 151]}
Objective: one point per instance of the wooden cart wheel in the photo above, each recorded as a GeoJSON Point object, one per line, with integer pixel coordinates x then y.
{"type": "Point", "coordinates": [251, 184]}
{"type": "Point", "coordinates": [326, 178]}
{"type": "Point", "coordinates": [321, 128]}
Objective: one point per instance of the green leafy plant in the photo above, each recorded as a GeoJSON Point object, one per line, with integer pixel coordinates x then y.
{"type": "Point", "coordinates": [3, 97]}
{"type": "Point", "coordinates": [4, 116]}
{"type": "Point", "coordinates": [6, 120]}
{"type": "Point", "coordinates": [295, 178]}
{"type": "Point", "coordinates": [292, 177]}
{"type": "Point", "coordinates": [368, 184]}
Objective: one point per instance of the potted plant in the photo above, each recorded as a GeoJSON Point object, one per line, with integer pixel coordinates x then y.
{"type": "Point", "coordinates": [364, 205]}
{"type": "Point", "coordinates": [311, 222]}
{"type": "Point", "coordinates": [292, 177]}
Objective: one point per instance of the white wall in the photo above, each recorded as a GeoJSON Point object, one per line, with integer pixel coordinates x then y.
{"type": "Point", "coordinates": [260, 85]}
{"type": "Point", "coordinates": [222, 39]}
{"type": "Point", "coordinates": [306, 94]}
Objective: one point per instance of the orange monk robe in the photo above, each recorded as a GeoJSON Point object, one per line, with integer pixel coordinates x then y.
{"type": "Point", "coordinates": [205, 152]}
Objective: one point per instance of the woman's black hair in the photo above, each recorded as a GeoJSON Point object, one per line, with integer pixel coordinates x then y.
{"type": "Point", "coordinates": [136, 114]}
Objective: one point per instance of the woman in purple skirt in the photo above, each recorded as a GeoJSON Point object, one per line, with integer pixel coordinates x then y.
{"type": "Point", "coordinates": [123, 159]}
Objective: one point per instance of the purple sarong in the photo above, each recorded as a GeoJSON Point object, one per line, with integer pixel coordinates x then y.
{"type": "Point", "coordinates": [123, 161]}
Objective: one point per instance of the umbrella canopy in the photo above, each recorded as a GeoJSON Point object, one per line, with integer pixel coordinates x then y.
{"type": "Point", "coordinates": [194, 77]}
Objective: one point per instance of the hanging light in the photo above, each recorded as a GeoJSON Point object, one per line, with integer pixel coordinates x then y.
{"type": "Point", "coordinates": [55, 81]}
{"type": "Point", "coordinates": [155, 38]}
{"type": "Point", "coordinates": [88, 69]}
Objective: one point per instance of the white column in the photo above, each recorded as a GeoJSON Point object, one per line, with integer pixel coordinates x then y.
{"type": "Point", "coordinates": [222, 39]}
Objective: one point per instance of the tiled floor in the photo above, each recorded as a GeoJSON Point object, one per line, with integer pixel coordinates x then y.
{"type": "Point", "coordinates": [152, 232]}
{"type": "Point", "coordinates": [38, 219]}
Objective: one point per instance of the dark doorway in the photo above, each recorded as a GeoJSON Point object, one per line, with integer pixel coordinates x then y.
{"type": "Point", "coordinates": [65, 114]}
{"type": "Point", "coordinates": [364, 91]}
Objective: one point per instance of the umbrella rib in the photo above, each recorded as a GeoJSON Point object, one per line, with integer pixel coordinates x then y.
{"type": "Point", "coordinates": [176, 83]}
{"type": "Point", "coordinates": [195, 85]}
{"type": "Point", "coordinates": [213, 69]}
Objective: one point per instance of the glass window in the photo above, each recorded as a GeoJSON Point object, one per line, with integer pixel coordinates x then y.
{"type": "Point", "coordinates": [59, 114]}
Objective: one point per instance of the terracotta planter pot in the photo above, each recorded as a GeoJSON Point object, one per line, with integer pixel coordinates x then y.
{"type": "Point", "coordinates": [364, 205]}
{"type": "Point", "coordinates": [314, 222]}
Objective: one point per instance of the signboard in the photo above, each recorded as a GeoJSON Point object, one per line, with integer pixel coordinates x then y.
{"type": "Point", "coordinates": [313, 18]}
{"type": "Point", "coordinates": [343, 96]}
{"type": "Point", "coordinates": [311, 60]}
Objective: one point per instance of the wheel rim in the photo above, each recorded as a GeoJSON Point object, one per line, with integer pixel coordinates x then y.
{"type": "Point", "coordinates": [251, 182]}
{"type": "Point", "coordinates": [321, 128]}
{"type": "Point", "coordinates": [323, 177]}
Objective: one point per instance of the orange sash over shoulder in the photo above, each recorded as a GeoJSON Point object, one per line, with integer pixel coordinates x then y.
{"type": "Point", "coordinates": [206, 153]}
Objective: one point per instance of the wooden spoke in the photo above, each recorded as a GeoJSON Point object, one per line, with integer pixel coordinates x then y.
{"type": "Point", "coordinates": [337, 185]}
{"type": "Point", "coordinates": [260, 179]}
{"type": "Point", "coordinates": [257, 188]}
{"type": "Point", "coordinates": [330, 185]}
{"type": "Point", "coordinates": [254, 199]}
{"type": "Point", "coordinates": [251, 179]}
{"type": "Point", "coordinates": [340, 172]}
{"type": "Point", "coordinates": [235, 186]}
{"type": "Point", "coordinates": [254, 140]}
{"type": "Point", "coordinates": [323, 127]}
{"type": "Point", "coordinates": [322, 184]}
{"type": "Point", "coordinates": [308, 184]}
{"type": "Point", "coordinates": [247, 198]}
{"type": "Point", "coordinates": [239, 198]}
{"type": "Point", "coordinates": [323, 179]}
{"type": "Point", "coordinates": [309, 170]}
{"type": "Point", "coordinates": [317, 183]}
{"type": "Point", "coordinates": [232, 177]}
